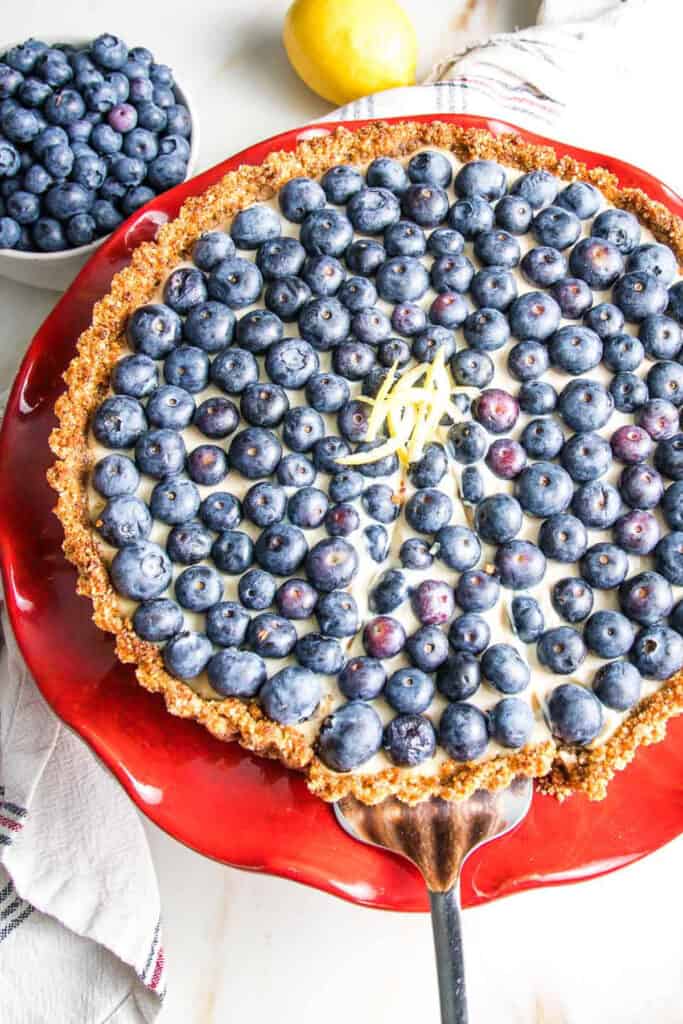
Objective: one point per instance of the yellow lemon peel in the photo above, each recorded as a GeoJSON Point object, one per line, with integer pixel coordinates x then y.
{"type": "Point", "coordinates": [412, 407]}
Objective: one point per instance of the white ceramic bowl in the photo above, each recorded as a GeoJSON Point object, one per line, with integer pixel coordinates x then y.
{"type": "Point", "coordinates": [55, 271]}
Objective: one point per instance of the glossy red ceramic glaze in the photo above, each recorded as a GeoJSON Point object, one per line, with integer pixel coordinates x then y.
{"type": "Point", "coordinates": [215, 797]}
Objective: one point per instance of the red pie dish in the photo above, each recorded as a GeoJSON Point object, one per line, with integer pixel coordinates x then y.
{"type": "Point", "coordinates": [217, 798]}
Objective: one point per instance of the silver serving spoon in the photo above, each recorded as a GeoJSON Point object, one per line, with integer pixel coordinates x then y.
{"type": "Point", "coordinates": [437, 836]}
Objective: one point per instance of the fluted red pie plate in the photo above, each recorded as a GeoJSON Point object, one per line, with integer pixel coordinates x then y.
{"type": "Point", "coordinates": [215, 797]}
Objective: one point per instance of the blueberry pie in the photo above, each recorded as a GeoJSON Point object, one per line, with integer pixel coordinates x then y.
{"type": "Point", "coordinates": [373, 462]}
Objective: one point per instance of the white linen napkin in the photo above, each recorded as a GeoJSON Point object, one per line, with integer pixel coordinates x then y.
{"type": "Point", "coordinates": [80, 938]}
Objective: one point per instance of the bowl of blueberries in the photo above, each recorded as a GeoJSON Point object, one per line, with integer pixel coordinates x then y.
{"type": "Point", "coordinates": [90, 131]}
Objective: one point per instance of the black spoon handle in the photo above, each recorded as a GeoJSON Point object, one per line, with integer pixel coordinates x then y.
{"type": "Point", "coordinates": [450, 962]}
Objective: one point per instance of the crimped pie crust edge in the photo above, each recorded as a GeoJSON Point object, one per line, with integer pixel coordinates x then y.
{"type": "Point", "coordinates": [564, 769]}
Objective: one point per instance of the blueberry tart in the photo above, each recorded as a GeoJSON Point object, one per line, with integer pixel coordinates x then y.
{"type": "Point", "coordinates": [373, 462]}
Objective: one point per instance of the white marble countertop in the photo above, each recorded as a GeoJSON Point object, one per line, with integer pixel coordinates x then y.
{"type": "Point", "coordinates": [245, 947]}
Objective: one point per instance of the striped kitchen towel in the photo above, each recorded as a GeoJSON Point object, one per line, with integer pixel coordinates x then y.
{"type": "Point", "coordinates": [600, 74]}
{"type": "Point", "coordinates": [80, 937]}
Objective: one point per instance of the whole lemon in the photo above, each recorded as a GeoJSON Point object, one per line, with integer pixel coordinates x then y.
{"type": "Point", "coordinates": [344, 49]}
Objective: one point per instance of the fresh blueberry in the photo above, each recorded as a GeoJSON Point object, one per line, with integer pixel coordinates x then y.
{"type": "Point", "coordinates": [326, 232]}
{"type": "Point", "coordinates": [537, 397]}
{"type": "Point", "coordinates": [622, 352]}
{"type": "Point", "coordinates": [497, 248]}
{"type": "Point", "coordinates": [415, 554]}
{"type": "Point", "coordinates": [493, 288]}
{"type": "Point", "coordinates": [463, 731]}
{"type": "Point", "coordinates": [189, 543]}
{"type": "Point", "coordinates": [198, 589]}
{"type": "Point", "coordinates": [322, 274]}
{"type": "Point", "coordinates": [660, 336]}
{"type": "Point", "coordinates": [187, 654]}
{"type": "Point", "coordinates": [586, 456]}
{"type": "Point", "coordinates": [430, 168]}
{"type": "Point", "coordinates": [209, 326]}
{"type": "Point", "coordinates": [585, 404]}
{"type": "Point", "coordinates": [23, 207]}
{"type": "Point", "coordinates": [637, 532]}
{"type": "Point", "coordinates": [527, 618]}
{"type": "Point", "coordinates": [534, 315]}
{"type": "Point", "coordinates": [174, 500]}
{"type": "Point", "coordinates": [572, 599]}
{"type": "Point", "coordinates": [658, 652]}
{"type": "Point", "coordinates": [233, 370]}
{"type": "Point", "coordinates": [477, 590]}
{"type": "Point", "coordinates": [160, 453]}
{"type": "Point", "coordinates": [10, 233]}
{"type": "Point", "coordinates": [605, 319]}
{"type": "Point", "coordinates": [655, 259]}
{"type": "Point", "coordinates": [337, 614]}
{"type": "Point", "coordinates": [254, 452]}
{"type": "Point", "coordinates": [467, 442]}
{"type": "Point", "coordinates": [482, 178]}
{"type": "Point", "coordinates": [185, 288]}
{"type": "Point", "coordinates": [295, 599]}
{"type": "Point", "coordinates": [353, 360]}
{"type": "Point", "coordinates": [581, 198]}
{"type": "Point", "coordinates": [307, 507]}
{"type": "Point", "coordinates": [220, 511]}
{"type": "Point", "coordinates": [327, 451]}
{"type": "Point", "coordinates": [561, 650]}
{"type": "Point", "coordinates": [470, 216]}
{"type": "Point", "coordinates": [472, 369]}
{"type": "Point", "coordinates": [255, 225]}
{"type": "Point", "coordinates": [291, 695]}
{"type": "Point", "coordinates": [331, 564]}
{"type": "Point", "coordinates": [258, 330]}
{"type": "Point", "coordinates": [115, 475]}
{"type": "Point", "coordinates": [141, 571]}
{"type": "Point", "coordinates": [498, 518]}
{"type": "Point", "coordinates": [408, 319]}
{"type": "Point", "coordinates": [298, 197]}
{"type": "Point", "coordinates": [207, 464]}
{"type": "Point", "coordinates": [675, 307]}
{"type": "Point", "coordinates": [503, 667]}
{"type": "Point", "coordinates": [617, 685]}
{"type": "Point", "coordinates": [119, 422]}
{"type": "Point", "coordinates": [459, 676]}
{"type": "Point", "coordinates": [170, 407]}
{"type": "Point", "coordinates": [619, 227]}
{"type": "Point", "coordinates": [471, 485]}
{"type": "Point", "coordinates": [390, 591]}
{"type": "Point", "coordinates": [135, 198]}
{"type": "Point", "coordinates": [486, 330]}
{"type": "Point", "coordinates": [520, 564]}
{"type": "Point", "coordinates": [469, 633]}
{"type": "Point", "coordinates": [236, 282]}
{"type": "Point", "coordinates": [233, 552]}
{"type": "Point", "coordinates": [350, 736]}
{"type": "Point", "coordinates": [157, 620]}
{"type": "Point", "coordinates": [573, 296]}
{"type": "Point", "coordinates": [544, 489]}
{"type": "Point", "coordinates": [324, 322]}
{"type": "Point", "coordinates": [496, 410]}
{"type": "Point", "coordinates": [556, 227]}
{"type": "Point", "coordinates": [575, 714]}
{"type": "Point", "coordinates": [513, 213]}
{"type": "Point", "coordinates": [256, 589]}
{"type": "Point", "coordinates": [125, 519]}
{"type": "Point", "coordinates": [187, 367]}
{"type": "Point", "coordinates": [362, 679]}
{"type": "Point", "coordinates": [427, 648]}
{"type": "Point", "coordinates": [320, 654]}
{"type": "Point", "coordinates": [596, 261]}
{"type": "Point", "coordinates": [234, 673]}
{"type": "Point", "coordinates": [384, 637]}
{"type": "Point", "coordinates": [669, 457]}
{"type": "Point", "coordinates": [451, 273]}
{"type": "Point", "coordinates": [665, 380]}
{"type": "Point", "coordinates": [291, 362]}
{"type": "Point", "coordinates": [409, 690]}
{"type": "Point", "coordinates": [409, 740]}
{"type": "Point", "coordinates": [542, 438]}
{"type": "Point", "coordinates": [428, 342]}
{"type": "Point", "coordinates": [107, 218]}
{"type": "Point", "coordinates": [672, 505]}
{"type": "Point", "coordinates": [543, 266]}
{"type": "Point", "coordinates": [646, 598]}
{"type": "Point", "coordinates": [402, 279]}
{"type": "Point", "coordinates": [669, 557]}
{"type": "Point", "coordinates": [365, 256]}
{"type": "Point", "coordinates": [428, 510]}
{"type": "Point", "coordinates": [638, 295]}
{"type": "Point", "coordinates": [404, 238]}
{"type": "Point", "coordinates": [597, 504]}
{"type": "Point", "coordinates": [211, 248]}
{"type": "Point", "coordinates": [575, 350]}
{"type": "Point", "coordinates": [511, 722]}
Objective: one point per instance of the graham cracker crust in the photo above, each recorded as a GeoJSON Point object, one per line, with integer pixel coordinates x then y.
{"type": "Point", "coordinates": [561, 770]}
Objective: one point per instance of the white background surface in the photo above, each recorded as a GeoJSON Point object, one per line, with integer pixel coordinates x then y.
{"type": "Point", "coordinates": [245, 947]}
